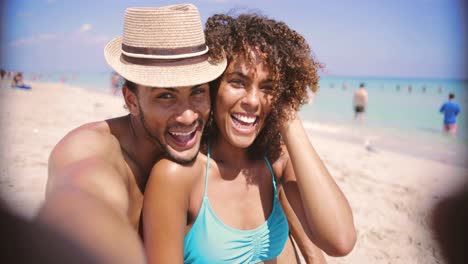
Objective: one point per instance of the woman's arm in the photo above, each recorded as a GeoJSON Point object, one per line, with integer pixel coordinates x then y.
{"type": "Point", "coordinates": [311, 253]}
{"type": "Point", "coordinates": [165, 210]}
{"type": "Point", "coordinates": [310, 187]}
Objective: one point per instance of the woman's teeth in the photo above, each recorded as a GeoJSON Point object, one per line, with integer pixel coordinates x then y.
{"type": "Point", "coordinates": [247, 120]}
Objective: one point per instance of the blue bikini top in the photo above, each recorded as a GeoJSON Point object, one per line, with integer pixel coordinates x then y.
{"type": "Point", "coordinates": [211, 241]}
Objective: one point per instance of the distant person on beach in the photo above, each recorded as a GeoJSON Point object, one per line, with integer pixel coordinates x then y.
{"type": "Point", "coordinates": [450, 109]}
{"type": "Point", "coordinates": [18, 82]}
{"type": "Point", "coordinates": [2, 73]}
{"type": "Point", "coordinates": [344, 86]}
{"type": "Point", "coordinates": [226, 206]}
{"type": "Point", "coordinates": [439, 89]}
{"type": "Point", "coordinates": [360, 102]}
{"type": "Point", "coordinates": [115, 83]}
{"type": "Point", "coordinates": [98, 172]}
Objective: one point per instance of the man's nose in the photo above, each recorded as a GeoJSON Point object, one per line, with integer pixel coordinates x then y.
{"type": "Point", "coordinates": [187, 116]}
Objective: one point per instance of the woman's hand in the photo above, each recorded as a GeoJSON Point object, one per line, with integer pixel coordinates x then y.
{"type": "Point", "coordinates": [292, 118]}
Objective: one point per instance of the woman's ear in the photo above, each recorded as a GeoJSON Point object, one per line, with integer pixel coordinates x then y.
{"type": "Point", "coordinates": [131, 100]}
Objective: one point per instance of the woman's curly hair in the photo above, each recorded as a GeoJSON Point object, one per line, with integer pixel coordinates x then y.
{"type": "Point", "coordinates": [288, 57]}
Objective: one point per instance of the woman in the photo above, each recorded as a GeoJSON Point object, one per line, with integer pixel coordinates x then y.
{"type": "Point", "coordinates": [18, 82]}
{"type": "Point", "coordinates": [224, 207]}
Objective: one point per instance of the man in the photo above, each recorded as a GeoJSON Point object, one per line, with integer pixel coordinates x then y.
{"type": "Point", "coordinates": [98, 172]}
{"type": "Point", "coordinates": [23, 242]}
{"type": "Point", "coordinates": [450, 109]}
{"type": "Point", "coordinates": [360, 103]}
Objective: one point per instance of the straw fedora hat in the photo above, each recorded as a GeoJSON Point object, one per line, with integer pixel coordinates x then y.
{"type": "Point", "coordinates": [163, 47]}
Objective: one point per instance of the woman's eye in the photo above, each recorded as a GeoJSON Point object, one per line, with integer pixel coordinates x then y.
{"type": "Point", "coordinates": [237, 83]}
{"type": "Point", "coordinates": [268, 88]}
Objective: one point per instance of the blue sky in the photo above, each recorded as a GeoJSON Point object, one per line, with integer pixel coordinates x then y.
{"type": "Point", "coordinates": [394, 38]}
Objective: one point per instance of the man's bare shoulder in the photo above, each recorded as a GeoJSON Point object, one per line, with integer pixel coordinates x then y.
{"type": "Point", "coordinates": [92, 139]}
{"type": "Point", "coordinates": [90, 147]}
{"type": "Point", "coordinates": [89, 160]}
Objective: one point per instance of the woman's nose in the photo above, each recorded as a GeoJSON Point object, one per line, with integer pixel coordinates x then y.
{"type": "Point", "coordinates": [251, 99]}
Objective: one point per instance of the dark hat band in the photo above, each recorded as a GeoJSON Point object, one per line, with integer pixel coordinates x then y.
{"type": "Point", "coordinates": [163, 52]}
{"type": "Point", "coordinates": [165, 62]}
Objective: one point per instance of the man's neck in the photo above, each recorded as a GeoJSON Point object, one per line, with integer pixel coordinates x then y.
{"type": "Point", "coordinates": [146, 149]}
{"type": "Point", "coordinates": [138, 147]}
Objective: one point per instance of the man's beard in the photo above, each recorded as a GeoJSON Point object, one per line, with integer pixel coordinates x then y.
{"type": "Point", "coordinates": [165, 149]}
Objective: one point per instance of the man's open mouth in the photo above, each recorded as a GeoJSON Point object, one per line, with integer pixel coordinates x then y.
{"type": "Point", "coordinates": [184, 138]}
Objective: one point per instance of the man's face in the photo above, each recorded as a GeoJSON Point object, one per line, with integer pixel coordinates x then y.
{"type": "Point", "coordinates": [174, 118]}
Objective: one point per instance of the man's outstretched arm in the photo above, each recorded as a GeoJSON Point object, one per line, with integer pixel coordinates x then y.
{"type": "Point", "coordinates": [87, 200]}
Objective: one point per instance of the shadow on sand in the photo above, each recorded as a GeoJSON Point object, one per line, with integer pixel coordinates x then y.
{"type": "Point", "coordinates": [450, 226]}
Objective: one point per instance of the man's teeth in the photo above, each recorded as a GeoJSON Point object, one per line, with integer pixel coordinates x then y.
{"type": "Point", "coordinates": [182, 134]}
{"type": "Point", "coordinates": [178, 134]}
{"type": "Point", "coordinates": [245, 119]}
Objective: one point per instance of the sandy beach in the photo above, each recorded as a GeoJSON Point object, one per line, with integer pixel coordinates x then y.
{"type": "Point", "coordinates": [392, 194]}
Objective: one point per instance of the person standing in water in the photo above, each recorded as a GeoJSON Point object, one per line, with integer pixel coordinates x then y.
{"type": "Point", "coordinates": [450, 109]}
{"type": "Point", "coordinates": [360, 103]}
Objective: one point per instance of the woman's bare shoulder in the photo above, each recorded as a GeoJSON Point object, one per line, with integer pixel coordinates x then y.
{"type": "Point", "coordinates": [171, 172]}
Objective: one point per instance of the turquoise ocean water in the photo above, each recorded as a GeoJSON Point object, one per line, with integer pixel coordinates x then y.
{"type": "Point", "coordinates": [402, 114]}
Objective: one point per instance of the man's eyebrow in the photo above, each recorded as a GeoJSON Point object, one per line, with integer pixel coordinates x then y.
{"type": "Point", "coordinates": [199, 85]}
{"type": "Point", "coordinates": [167, 89]}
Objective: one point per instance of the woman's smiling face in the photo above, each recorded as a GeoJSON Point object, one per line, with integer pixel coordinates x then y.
{"type": "Point", "coordinates": [243, 101]}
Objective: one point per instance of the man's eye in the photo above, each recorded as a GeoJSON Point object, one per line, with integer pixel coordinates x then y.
{"type": "Point", "coordinates": [198, 91]}
{"type": "Point", "coordinates": [165, 96]}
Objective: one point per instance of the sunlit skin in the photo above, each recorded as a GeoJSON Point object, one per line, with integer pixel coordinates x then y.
{"type": "Point", "coordinates": [243, 101]}
{"type": "Point", "coordinates": [173, 118]}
